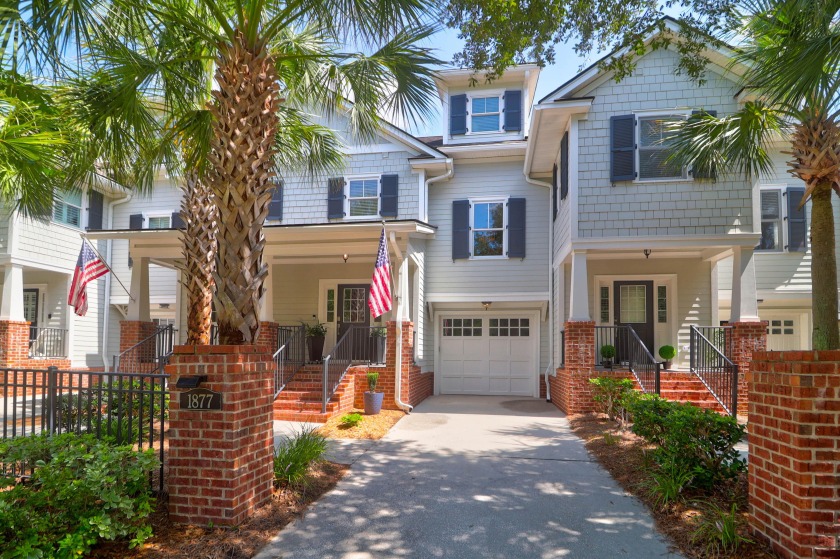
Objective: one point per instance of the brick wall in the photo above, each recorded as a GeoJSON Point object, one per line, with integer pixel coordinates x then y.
{"type": "Point", "coordinates": [794, 440]}
{"type": "Point", "coordinates": [14, 348]}
{"type": "Point", "coordinates": [268, 335]}
{"type": "Point", "coordinates": [220, 462]}
{"type": "Point", "coordinates": [747, 338]}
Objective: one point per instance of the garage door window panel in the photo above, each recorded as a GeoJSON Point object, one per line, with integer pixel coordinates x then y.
{"type": "Point", "coordinates": [467, 327]}
{"type": "Point", "coordinates": [510, 327]}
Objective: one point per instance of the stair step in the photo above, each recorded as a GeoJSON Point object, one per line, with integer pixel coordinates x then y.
{"type": "Point", "coordinates": [308, 417]}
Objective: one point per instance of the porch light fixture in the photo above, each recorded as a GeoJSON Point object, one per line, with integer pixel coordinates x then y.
{"type": "Point", "coordinates": [646, 252]}
{"type": "Point", "coordinates": [486, 304]}
{"type": "Point", "coordinates": [345, 257]}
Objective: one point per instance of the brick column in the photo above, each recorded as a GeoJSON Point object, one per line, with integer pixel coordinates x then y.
{"type": "Point", "coordinates": [220, 462]}
{"type": "Point", "coordinates": [747, 338]}
{"type": "Point", "coordinates": [570, 389]}
{"type": "Point", "coordinates": [132, 332]}
{"type": "Point", "coordinates": [14, 343]}
{"type": "Point", "coordinates": [268, 335]}
{"type": "Point", "coordinates": [794, 412]}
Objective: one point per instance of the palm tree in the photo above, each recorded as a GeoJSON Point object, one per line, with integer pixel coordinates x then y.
{"type": "Point", "coordinates": [793, 70]}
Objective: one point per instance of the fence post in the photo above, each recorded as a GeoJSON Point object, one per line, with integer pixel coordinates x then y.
{"type": "Point", "coordinates": [52, 397]}
{"type": "Point", "coordinates": [657, 379]}
{"type": "Point", "coordinates": [734, 389]}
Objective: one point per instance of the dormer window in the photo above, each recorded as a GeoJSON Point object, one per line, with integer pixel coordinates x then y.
{"type": "Point", "coordinates": [485, 115]}
{"type": "Point", "coordinates": [485, 112]}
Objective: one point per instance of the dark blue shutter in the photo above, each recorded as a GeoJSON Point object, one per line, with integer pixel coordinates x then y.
{"type": "Point", "coordinates": [513, 110]}
{"type": "Point", "coordinates": [135, 221]}
{"type": "Point", "coordinates": [460, 229]}
{"type": "Point", "coordinates": [516, 228]}
{"type": "Point", "coordinates": [389, 186]}
{"type": "Point", "coordinates": [554, 200]}
{"type": "Point", "coordinates": [622, 148]}
{"type": "Point", "coordinates": [564, 166]}
{"type": "Point", "coordinates": [335, 198]}
{"type": "Point", "coordinates": [95, 209]}
{"type": "Point", "coordinates": [275, 207]}
{"type": "Point", "coordinates": [458, 114]}
{"type": "Point", "coordinates": [177, 222]}
{"type": "Point", "coordinates": [797, 224]}
{"type": "Point", "coordinates": [704, 172]}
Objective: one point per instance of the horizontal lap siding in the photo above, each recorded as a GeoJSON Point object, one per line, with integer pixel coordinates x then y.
{"type": "Point", "coordinates": [4, 229]}
{"type": "Point", "coordinates": [655, 208]}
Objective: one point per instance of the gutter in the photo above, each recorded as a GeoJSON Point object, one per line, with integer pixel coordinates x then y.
{"type": "Point", "coordinates": [107, 310]}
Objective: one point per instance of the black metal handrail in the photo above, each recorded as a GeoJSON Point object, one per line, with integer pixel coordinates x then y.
{"type": "Point", "coordinates": [290, 356]}
{"type": "Point", "coordinates": [718, 336]}
{"type": "Point", "coordinates": [149, 355]}
{"type": "Point", "coordinates": [715, 370]}
{"type": "Point", "coordinates": [629, 349]}
{"type": "Point", "coordinates": [369, 344]}
{"type": "Point", "coordinates": [47, 342]}
{"type": "Point", "coordinates": [335, 366]}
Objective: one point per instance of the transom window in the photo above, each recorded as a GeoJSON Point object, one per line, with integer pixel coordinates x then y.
{"type": "Point", "coordinates": [771, 221]}
{"type": "Point", "coordinates": [488, 228]}
{"type": "Point", "coordinates": [68, 209]}
{"type": "Point", "coordinates": [469, 327]}
{"type": "Point", "coordinates": [655, 141]}
{"type": "Point", "coordinates": [486, 114]}
{"type": "Point", "coordinates": [160, 222]}
{"type": "Point", "coordinates": [513, 327]}
{"type": "Point", "coordinates": [363, 197]}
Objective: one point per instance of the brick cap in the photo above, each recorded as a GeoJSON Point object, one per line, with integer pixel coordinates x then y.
{"type": "Point", "coordinates": [18, 322]}
{"type": "Point", "coordinates": [799, 355]}
{"type": "Point", "coordinates": [221, 349]}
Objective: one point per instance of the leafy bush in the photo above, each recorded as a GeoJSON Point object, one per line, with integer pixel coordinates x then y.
{"type": "Point", "coordinates": [720, 530]}
{"type": "Point", "coordinates": [296, 453]}
{"type": "Point", "coordinates": [609, 394]}
{"type": "Point", "coordinates": [667, 352]}
{"type": "Point", "coordinates": [607, 351]}
{"type": "Point", "coordinates": [372, 380]}
{"type": "Point", "coordinates": [82, 491]}
{"type": "Point", "coordinates": [696, 440]}
{"type": "Point", "coordinates": [351, 419]}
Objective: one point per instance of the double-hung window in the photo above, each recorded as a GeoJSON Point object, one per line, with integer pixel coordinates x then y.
{"type": "Point", "coordinates": [485, 114]}
{"type": "Point", "coordinates": [363, 197]}
{"type": "Point", "coordinates": [771, 221]}
{"type": "Point", "coordinates": [68, 209]}
{"type": "Point", "coordinates": [654, 149]}
{"type": "Point", "coordinates": [488, 228]}
{"type": "Point", "coordinates": [160, 221]}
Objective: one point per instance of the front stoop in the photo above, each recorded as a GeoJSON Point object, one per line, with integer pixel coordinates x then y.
{"type": "Point", "coordinates": [687, 388]}
{"type": "Point", "coordinates": [300, 400]}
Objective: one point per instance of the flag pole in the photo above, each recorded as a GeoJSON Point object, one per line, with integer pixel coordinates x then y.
{"type": "Point", "coordinates": [116, 277]}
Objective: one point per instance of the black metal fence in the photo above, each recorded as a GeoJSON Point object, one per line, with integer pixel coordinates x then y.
{"type": "Point", "coordinates": [122, 407]}
{"type": "Point", "coordinates": [47, 342]}
{"type": "Point", "coordinates": [290, 355]}
{"type": "Point", "coordinates": [621, 346]}
{"type": "Point", "coordinates": [359, 344]}
{"type": "Point", "coordinates": [714, 369]}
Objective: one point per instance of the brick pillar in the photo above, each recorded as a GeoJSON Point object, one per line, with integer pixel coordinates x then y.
{"type": "Point", "coordinates": [220, 462]}
{"type": "Point", "coordinates": [747, 338]}
{"type": "Point", "coordinates": [14, 343]}
{"type": "Point", "coordinates": [570, 390]}
{"type": "Point", "coordinates": [794, 488]}
{"type": "Point", "coordinates": [132, 332]}
{"type": "Point", "coordinates": [268, 335]}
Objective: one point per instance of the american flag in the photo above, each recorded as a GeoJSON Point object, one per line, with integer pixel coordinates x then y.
{"type": "Point", "coordinates": [380, 285]}
{"type": "Point", "coordinates": [88, 267]}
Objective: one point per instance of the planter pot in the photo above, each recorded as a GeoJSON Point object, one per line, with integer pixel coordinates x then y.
{"type": "Point", "coordinates": [667, 364]}
{"type": "Point", "coordinates": [607, 363]}
{"type": "Point", "coordinates": [373, 402]}
{"type": "Point", "coordinates": [379, 350]}
{"type": "Point", "coordinates": [316, 348]}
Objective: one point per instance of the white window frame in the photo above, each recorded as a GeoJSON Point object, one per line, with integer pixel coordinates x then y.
{"type": "Point", "coordinates": [481, 95]}
{"type": "Point", "coordinates": [489, 200]}
{"type": "Point", "coordinates": [82, 221]}
{"type": "Point", "coordinates": [147, 219]}
{"type": "Point", "coordinates": [781, 242]}
{"type": "Point", "coordinates": [347, 181]}
{"type": "Point", "coordinates": [638, 116]}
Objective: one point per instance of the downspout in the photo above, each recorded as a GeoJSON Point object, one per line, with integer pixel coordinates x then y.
{"type": "Point", "coordinates": [107, 310]}
{"type": "Point", "coordinates": [529, 180]}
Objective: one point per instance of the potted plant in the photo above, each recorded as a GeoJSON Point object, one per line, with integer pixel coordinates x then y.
{"type": "Point", "coordinates": [667, 352]}
{"type": "Point", "coordinates": [316, 334]}
{"type": "Point", "coordinates": [607, 354]}
{"type": "Point", "coordinates": [378, 335]}
{"type": "Point", "coordinates": [373, 399]}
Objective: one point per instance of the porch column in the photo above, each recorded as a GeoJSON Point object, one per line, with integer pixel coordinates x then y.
{"type": "Point", "coordinates": [419, 314]}
{"type": "Point", "coordinates": [11, 305]}
{"type": "Point", "coordinates": [744, 296]}
{"type": "Point", "coordinates": [138, 304]}
{"type": "Point", "coordinates": [267, 301]}
{"type": "Point", "coordinates": [402, 292]}
{"type": "Point", "coordinates": [579, 299]}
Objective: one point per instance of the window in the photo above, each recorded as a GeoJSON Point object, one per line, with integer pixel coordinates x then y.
{"type": "Point", "coordinates": [633, 304]}
{"type": "Point", "coordinates": [661, 304]}
{"type": "Point", "coordinates": [363, 197]}
{"type": "Point", "coordinates": [488, 227]}
{"type": "Point", "coordinates": [469, 327]}
{"type": "Point", "coordinates": [781, 327]}
{"type": "Point", "coordinates": [330, 305]}
{"type": "Point", "coordinates": [160, 222]}
{"type": "Point", "coordinates": [654, 149]}
{"type": "Point", "coordinates": [771, 221]}
{"type": "Point", "coordinates": [513, 327]}
{"type": "Point", "coordinates": [485, 114]}
{"type": "Point", "coordinates": [605, 304]}
{"type": "Point", "coordinates": [68, 209]}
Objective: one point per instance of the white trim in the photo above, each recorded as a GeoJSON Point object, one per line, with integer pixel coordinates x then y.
{"type": "Point", "coordinates": [378, 148]}
{"type": "Point", "coordinates": [572, 198]}
{"type": "Point", "coordinates": [156, 214]}
{"type": "Point", "coordinates": [323, 286]}
{"type": "Point", "coordinates": [668, 241]}
{"type": "Point", "coordinates": [782, 241]}
{"type": "Point", "coordinates": [472, 297]}
{"type": "Point", "coordinates": [638, 115]}
{"type": "Point", "coordinates": [536, 335]}
{"type": "Point", "coordinates": [363, 177]}
{"type": "Point", "coordinates": [42, 301]}
{"type": "Point", "coordinates": [490, 200]}
{"type": "Point", "coordinates": [483, 94]}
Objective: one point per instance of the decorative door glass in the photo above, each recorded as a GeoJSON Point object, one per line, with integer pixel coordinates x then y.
{"type": "Point", "coordinates": [633, 304]}
{"type": "Point", "coordinates": [30, 306]}
{"type": "Point", "coordinates": [354, 306]}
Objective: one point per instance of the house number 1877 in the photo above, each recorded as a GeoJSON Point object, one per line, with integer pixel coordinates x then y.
{"type": "Point", "coordinates": [201, 399]}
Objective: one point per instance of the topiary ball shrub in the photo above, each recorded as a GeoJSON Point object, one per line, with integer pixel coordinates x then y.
{"type": "Point", "coordinates": [667, 352]}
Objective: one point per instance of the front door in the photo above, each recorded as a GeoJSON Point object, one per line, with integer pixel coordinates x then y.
{"type": "Point", "coordinates": [30, 307]}
{"type": "Point", "coordinates": [634, 307]}
{"type": "Point", "coordinates": [353, 310]}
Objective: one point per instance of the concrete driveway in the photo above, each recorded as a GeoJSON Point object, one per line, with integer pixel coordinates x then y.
{"type": "Point", "coordinates": [474, 477]}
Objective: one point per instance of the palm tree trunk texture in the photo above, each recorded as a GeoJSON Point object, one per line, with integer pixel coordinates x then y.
{"type": "Point", "coordinates": [198, 210]}
{"type": "Point", "coordinates": [244, 125]}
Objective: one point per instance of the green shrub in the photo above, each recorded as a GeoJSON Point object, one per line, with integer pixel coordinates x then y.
{"type": "Point", "coordinates": [372, 380]}
{"type": "Point", "coordinates": [666, 483]}
{"type": "Point", "coordinates": [667, 352]}
{"type": "Point", "coordinates": [649, 413]}
{"type": "Point", "coordinates": [719, 530]}
{"type": "Point", "coordinates": [296, 453]}
{"type": "Point", "coordinates": [609, 394]}
{"type": "Point", "coordinates": [607, 351]}
{"type": "Point", "coordinates": [351, 419]}
{"type": "Point", "coordinates": [82, 491]}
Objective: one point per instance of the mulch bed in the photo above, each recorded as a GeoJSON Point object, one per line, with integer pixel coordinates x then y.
{"type": "Point", "coordinates": [622, 454]}
{"type": "Point", "coordinates": [370, 427]}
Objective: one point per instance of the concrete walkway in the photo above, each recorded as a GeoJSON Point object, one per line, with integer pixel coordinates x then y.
{"type": "Point", "coordinates": [474, 477]}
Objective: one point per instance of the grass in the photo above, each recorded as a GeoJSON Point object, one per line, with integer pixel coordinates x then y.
{"type": "Point", "coordinates": [296, 454]}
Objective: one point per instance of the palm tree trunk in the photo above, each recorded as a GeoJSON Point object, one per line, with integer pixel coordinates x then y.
{"type": "Point", "coordinates": [244, 125]}
{"type": "Point", "coordinates": [823, 271]}
{"type": "Point", "coordinates": [198, 210]}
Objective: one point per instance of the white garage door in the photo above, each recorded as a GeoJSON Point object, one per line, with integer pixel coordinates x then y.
{"type": "Point", "coordinates": [488, 355]}
{"type": "Point", "coordinates": [784, 333]}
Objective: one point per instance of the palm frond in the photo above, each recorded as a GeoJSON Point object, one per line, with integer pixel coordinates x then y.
{"type": "Point", "coordinates": [306, 147]}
